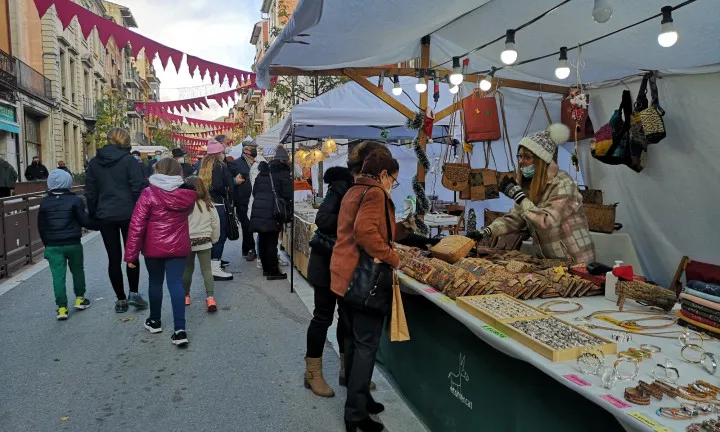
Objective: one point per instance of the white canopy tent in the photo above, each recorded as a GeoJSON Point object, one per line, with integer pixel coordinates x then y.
{"type": "Point", "coordinates": [272, 136]}
{"type": "Point", "coordinates": [667, 208]}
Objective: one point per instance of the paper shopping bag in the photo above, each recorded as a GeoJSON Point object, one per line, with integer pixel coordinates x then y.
{"type": "Point", "coordinates": [398, 324]}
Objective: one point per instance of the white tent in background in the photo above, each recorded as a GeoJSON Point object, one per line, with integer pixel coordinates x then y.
{"type": "Point", "coordinates": [272, 136]}
{"type": "Point", "coordinates": [248, 139]}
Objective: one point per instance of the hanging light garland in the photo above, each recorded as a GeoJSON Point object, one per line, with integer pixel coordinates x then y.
{"type": "Point", "coordinates": [329, 146]}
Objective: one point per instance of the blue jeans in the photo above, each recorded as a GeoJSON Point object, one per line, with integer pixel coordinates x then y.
{"type": "Point", "coordinates": [219, 247]}
{"type": "Point", "coordinates": [172, 269]}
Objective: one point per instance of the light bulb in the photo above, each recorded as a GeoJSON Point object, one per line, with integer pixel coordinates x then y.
{"type": "Point", "coordinates": [602, 11]}
{"type": "Point", "coordinates": [563, 69]}
{"type": "Point", "coordinates": [509, 55]}
{"type": "Point", "coordinates": [397, 90]}
{"type": "Point", "coordinates": [421, 86]}
{"type": "Point", "coordinates": [457, 77]}
{"type": "Point", "coordinates": [485, 84]}
{"type": "Point", "coordinates": [454, 89]}
{"type": "Point", "coordinates": [668, 35]}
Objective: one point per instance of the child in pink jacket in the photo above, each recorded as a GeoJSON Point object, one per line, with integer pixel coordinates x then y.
{"type": "Point", "coordinates": [159, 229]}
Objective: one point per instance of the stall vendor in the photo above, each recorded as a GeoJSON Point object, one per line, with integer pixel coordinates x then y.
{"type": "Point", "coordinates": [547, 202]}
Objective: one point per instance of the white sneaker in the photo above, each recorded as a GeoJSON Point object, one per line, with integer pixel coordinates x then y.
{"type": "Point", "coordinates": [282, 261]}
{"type": "Point", "coordinates": [218, 273]}
{"type": "Point", "coordinates": [258, 263]}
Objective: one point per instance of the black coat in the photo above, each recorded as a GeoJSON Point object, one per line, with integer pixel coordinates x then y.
{"type": "Point", "coordinates": [261, 217]}
{"type": "Point", "coordinates": [340, 180]}
{"type": "Point", "coordinates": [241, 192]}
{"type": "Point", "coordinates": [114, 181]}
{"type": "Point", "coordinates": [61, 218]}
{"type": "Point", "coordinates": [187, 169]}
{"type": "Point", "coordinates": [222, 184]}
{"type": "Point", "coordinates": [36, 172]}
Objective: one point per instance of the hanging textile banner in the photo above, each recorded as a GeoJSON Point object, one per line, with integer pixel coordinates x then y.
{"type": "Point", "coordinates": [194, 104]}
{"type": "Point", "coordinates": [67, 10]}
{"type": "Point", "coordinates": [223, 126]}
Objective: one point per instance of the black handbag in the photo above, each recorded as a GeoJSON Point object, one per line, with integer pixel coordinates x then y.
{"type": "Point", "coordinates": [280, 208]}
{"type": "Point", "coordinates": [322, 242]}
{"type": "Point", "coordinates": [370, 288]}
{"type": "Point", "coordinates": [233, 226]}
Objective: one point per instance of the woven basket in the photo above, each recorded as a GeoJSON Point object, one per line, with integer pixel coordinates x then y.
{"type": "Point", "coordinates": [452, 248]}
{"type": "Point", "coordinates": [601, 218]}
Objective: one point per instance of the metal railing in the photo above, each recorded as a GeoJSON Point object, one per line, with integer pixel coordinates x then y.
{"type": "Point", "coordinates": [132, 77]}
{"type": "Point", "coordinates": [33, 81]}
{"type": "Point", "coordinates": [89, 111]}
{"type": "Point", "coordinates": [7, 70]}
{"type": "Point", "coordinates": [20, 243]}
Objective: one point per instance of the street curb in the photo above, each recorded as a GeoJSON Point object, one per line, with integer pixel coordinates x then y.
{"type": "Point", "coordinates": [35, 269]}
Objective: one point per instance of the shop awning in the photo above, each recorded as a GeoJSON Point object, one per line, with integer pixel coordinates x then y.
{"type": "Point", "coordinates": [9, 126]}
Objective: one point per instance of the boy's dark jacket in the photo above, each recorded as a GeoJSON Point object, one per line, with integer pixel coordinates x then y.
{"type": "Point", "coordinates": [61, 218]}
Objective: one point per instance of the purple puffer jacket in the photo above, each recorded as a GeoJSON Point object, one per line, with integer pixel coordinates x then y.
{"type": "Point", "coordinates": [159, 225]}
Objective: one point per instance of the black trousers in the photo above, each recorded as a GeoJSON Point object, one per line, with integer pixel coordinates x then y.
{"type": "Point", "coordinates": [325, 301]}
{"type": "Point", "coordinates": [5, 192]}
{"type": "Point", "coordinates": [112, 233]}
{"type": "Point", "coordinates": [362, 340]}
{"type": "Point", "coordinates": [248, 243]}
{"type": "Point", "coordinates": [268, 245]}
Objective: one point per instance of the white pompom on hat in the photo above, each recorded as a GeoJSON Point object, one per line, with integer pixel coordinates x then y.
{"type": "Point", "coordinates": [544, 144]}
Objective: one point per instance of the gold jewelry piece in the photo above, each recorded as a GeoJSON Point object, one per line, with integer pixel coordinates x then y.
{"type": "Point", "coordinates": [634, 323]}
{"type": "Point", "coordinates": [692, 347]}
{"type": "Point", "coordinates": [545, 307]}
{"type": "Point", "coordinates": [650, 348]}
{"type": "Point", "coordinates": [608, 312]}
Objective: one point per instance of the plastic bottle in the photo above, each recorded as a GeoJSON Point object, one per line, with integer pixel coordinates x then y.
{"type": "Point", "coordinates": [610, 283]}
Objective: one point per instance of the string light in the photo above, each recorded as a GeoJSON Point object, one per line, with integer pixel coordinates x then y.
{"type": "Point", "coordinates": [563, 69]}
{"type": "Point", "coordinates": [486, 83]}
{"type": "Point", "coordinates": [457, 77]}
{"type": "Point", "coordinates": [602, 11]}
{"type": "Point", "coordinates": [421, 86]}
{"type": "Point", "coordinates": [509, 55]}
{"type": "Point", "coordinates": [454, 89]}
{"type": "Point", "coordinates": [668, 35]}
{"type": "Point", "coordinates": [397, 90]}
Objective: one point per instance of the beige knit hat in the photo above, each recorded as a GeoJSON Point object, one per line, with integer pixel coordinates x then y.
{"type": "Point", "coordinates": [544, 144]}
{"type": "Point", "coordinates": [119, 137]}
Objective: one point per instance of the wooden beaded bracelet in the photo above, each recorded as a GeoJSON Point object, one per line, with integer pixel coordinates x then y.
{"type": "Point", "coordinates": [636, 396]}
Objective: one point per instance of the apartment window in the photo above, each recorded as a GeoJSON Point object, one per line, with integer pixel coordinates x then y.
{"type": "Point", "coordinates": [66, 137]}
{"type": "Point", "coordinates": [75, 147]}
{"type": "Point", "coordinates": [88, 83]}
{"type": "Point", "coordinates": [72, 79]}
{"type": "Point", "coordinates": [63, 74]}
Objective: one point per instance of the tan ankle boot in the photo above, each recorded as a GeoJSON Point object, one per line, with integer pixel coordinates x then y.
{"type": "Point", "coordinates": [314, 379]}
{"type": "Point", "coordinates": [343, 379]}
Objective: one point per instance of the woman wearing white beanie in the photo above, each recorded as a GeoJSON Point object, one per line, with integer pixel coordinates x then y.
{"type": "Point", "coordinates": [547, 202]}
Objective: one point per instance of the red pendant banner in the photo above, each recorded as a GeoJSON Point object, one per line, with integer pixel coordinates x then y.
{"type": "Point", "coordinates": [67, 10]}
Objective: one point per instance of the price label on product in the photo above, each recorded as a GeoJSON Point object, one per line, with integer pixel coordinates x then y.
{"type": "Point", "coordinates": [431, 290]}
{"type": "Point", "coordinates": [617, 403]}
{"type": "Point", "coordinates": [493, 330]}
{"type": "Point", "coordinates": [577, 380]}
{"type": "Point", "coordinates": [446, 299]}
{"type": "Point", "coordinates": [642, 418]}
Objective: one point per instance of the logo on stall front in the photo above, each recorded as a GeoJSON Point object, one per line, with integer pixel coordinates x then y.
{"type": "Point", "coordinates": [456, 381]}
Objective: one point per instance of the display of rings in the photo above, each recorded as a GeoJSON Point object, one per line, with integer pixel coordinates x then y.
{"type": "Point", "coordinates": [650, 348]}
{"type": "Point", "coordinates": [591, 361]}
{"type": "Point", "coordinates": [691, 347]}
{"type": "Point", "coordinates": [628, 377]}
{"type": "Point", "coordinates": [609, 378]}
{"type": "Point", "coordinates": [707, 361]}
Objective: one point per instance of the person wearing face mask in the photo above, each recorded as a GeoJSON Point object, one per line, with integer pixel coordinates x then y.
{"type": "Point", "coordinates": [241, 165]}
{"type": "Point", "coordinates": [179, 155]}
{"type": "Point", "coordinates": [153, 161]}
{"type": "Point", "coordinates": [136, 154]}
{"type": "Point", "coordinates": [548, 203]}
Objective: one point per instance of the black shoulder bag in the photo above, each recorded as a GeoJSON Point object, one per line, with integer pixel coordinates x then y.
{"type": "Point", "coordinates": [233, 225]}
{"type": "Point", "coordinates": [370, 288]}
{"type": "Point", "coordinates": [280, 209]}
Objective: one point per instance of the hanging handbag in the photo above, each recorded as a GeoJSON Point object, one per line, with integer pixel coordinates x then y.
{"type": "Point", "coordinates": [591, 196]}
{"type": "Point", "coordinates": [652, 116]}
{"type": "Point", "coordinates": [612, 140]}
{"type": "Point", "coordinates": [480, 115]}
{"type": "Point", "coordinates": [576, 118]}
{"type": "Point", "coordinates": [456, 175]}
{"type": "Point", "coordinates": [281, 213]}
{"type": "Point", "coordinates": [370, 288]}
{"type": "Point", "coordinates": [637, 133]}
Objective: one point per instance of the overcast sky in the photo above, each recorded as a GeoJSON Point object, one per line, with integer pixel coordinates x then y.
{"type": "Point", "coordinates": [214, 30]}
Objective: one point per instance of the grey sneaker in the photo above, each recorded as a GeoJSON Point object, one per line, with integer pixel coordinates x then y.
{"type": "Point", "coordinates": [137, 301]}
{"type": "Point", "coordinates": [251, 256]}
{"type": "Point", "coordinates": [121, 306]}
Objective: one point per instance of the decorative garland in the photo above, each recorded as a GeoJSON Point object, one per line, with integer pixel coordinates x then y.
{"type": "Point", "coordinates": [416, 122]}
{"type": "Point", "coordinates": [472, 221]}
{"type": "Point", "coordinates": [421, 155]}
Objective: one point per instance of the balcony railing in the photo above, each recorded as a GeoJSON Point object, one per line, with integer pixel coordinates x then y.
{"type": "Point", "coordinates": [132, 77]}
{"type": "Point", "coordinates": [132, 111]}
{"type": "Point", "coordinates": [89, 111]}
{"type": "Point", "coordinates": [8, 76]}
{"type": "Point", "coordinates": [33, 81]}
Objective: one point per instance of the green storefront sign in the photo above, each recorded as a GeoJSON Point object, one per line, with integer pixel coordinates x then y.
{"type": "Point", "coordinates": [7, 119]}
{"type": "Point", "coordinates": [458, 383]}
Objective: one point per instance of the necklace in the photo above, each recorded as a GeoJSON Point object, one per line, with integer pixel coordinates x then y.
{"type": "Point", "coordinates": [608, 312]}
{"type": "Point", "coordinates": [546, 307]}
{"type": "Point", "coordinates": [665, 335]}
{"type": "Point", "coordinates": [633, 324]}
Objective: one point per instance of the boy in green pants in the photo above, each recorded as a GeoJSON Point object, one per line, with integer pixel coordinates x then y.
{"type": "Point", "coordinates": [61, 218]}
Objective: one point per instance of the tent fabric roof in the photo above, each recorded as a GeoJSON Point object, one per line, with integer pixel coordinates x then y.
{"type": "Point", "coordinates": [351, 112]}
{"type": "Point", "coordinates": [325, 34]}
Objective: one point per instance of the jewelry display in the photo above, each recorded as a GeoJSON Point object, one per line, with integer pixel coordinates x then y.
{"type": "Point", "coordinates": [622, 337]}
{"type": "Point", "coordinates": [609, 378]}
{"type": "Point", "coordinates": [502, 307]}
{"type": "Point", "coordinates": [652, 390]}
{"type": "Point", "coordinates": [650, 348]}
{"type": "Point", "coordinates": [674, 413]}
{"type": "Point", "coordinates": [712, 425]}
{"type": "Point", "coordinates": [707, 361]}
{"type": "Point", "coordinates": [663, 335]}
{"type": "Point", "coordinates": [555, 333]}
{"type": "Point", "coordinates": [666, 388]}
{"type": "Point", "coordinates": [633, 324]}
{"type": "Point", "coordinates": [637, 396]}
{"type": "Point", "coordinates": [627, 377]}
{"type": "Point", "coordinates": [666, 372]}
{"type": "Point", "coordinates": [608, 312]}
{"type": "Point", "coordinates": [591, 361]}
{"type": "Point", "coordinates": [546, 307]}
{"type": "Point", "coordinates": [688, 358]}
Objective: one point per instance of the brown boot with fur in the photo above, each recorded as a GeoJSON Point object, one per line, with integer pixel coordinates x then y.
{"type": "Point", "coordinates": [314, 379]}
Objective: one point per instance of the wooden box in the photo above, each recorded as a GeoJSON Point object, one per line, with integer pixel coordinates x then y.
{"type": "Point", "coordinates": [503, 324]}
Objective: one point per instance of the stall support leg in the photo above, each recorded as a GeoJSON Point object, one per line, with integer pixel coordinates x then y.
{"type": "Point", "coordinates": [292, 222]}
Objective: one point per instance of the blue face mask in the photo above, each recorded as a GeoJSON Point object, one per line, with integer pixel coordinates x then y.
{"type": "Point", "coordinates": [157, 157]}
{"type": "Point", "coordinates": [137, 158]}
{"type": "Point", "coordinates": [528, 171]}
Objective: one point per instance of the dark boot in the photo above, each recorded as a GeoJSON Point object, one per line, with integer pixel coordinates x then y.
{"type": "Point", "coordinates": [343, 381]}
{"type": "Point", "coordinates": [275, 274]}
{"type": "Point", "coordinates": [374, 407]}
{"type": "Point", "coordinates": [367, 425]}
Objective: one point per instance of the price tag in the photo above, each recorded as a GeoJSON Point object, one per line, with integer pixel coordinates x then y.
{"type": "Point", "coordinates": [431, 290]}
{"type": "Point", "coordinates": [617, 403]}
{"type": "Point", "coordinates": [446, 299]}
{"type": "Point", "coordinates": [577, 380]}
{"type": "Point", "coordinates": [493, 330]}
{"type": "Point", "coordinates": [642, 418]}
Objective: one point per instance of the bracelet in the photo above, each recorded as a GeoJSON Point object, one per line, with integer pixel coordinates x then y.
{"type": "Point", "coordinates": [621, 360]}
{"type": "Point", "coordinates": [650, 348]}
{"type": "Point", "coordinates": [708, 385]}
{"type": "Point", "coordinates": [654, 391]}
{"type": "Point", "coordinates": [545, 307]}
{"type": "Point", "coordinates": [692, 347]}
{"type": "Point", "coordinates": [591, 361]}
{"type": "Point", "coordinates": [636, 396]}
{"type": "Point", "coordinates": [674, 413]}
{"type": "Point", "coordinates": [713, 364]}
{"type": "Point", "coordinates": [686, 338]}
{"type": "Point", "coordinates": [666, 388]}
{"type": "Point", "coordinates": [669, 373]}
{"type": "Point", "coordinates": [609, 378]}
{"type": "Point", "coordinates": [689, 394]}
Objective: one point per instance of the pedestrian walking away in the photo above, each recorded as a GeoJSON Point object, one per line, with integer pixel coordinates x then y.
{"type": "Point", "coordinates": [60, 221]}
{"type": "Point", "coordinates": [36, 171]}
{"type": "Point", "coordinates": [204, 225]}
{"type": "Point", "coordinates": [113, 183]}
{"type": "Point", "coordinates": [160, 231]}
{"type": "Point", "coordinates": [8, 177]}
{"type": "Point", "coordinates": [242, 165]}
{"type": "Point", "coordinates": [179, 155]}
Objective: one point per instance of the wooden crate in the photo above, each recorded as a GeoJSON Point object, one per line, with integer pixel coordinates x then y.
{"type": "Point", "coordinates": [503, 325]}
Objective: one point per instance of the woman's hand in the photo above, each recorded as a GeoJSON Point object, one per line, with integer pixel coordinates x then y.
{"type": "Point", "coordinates": [239, 179]}
{"type": "Point", "coordinates": [377, 261]}
{"type": "Point", "coordinates": [131, 265]}
{"type": "Point", "coordinates": [512, 190]}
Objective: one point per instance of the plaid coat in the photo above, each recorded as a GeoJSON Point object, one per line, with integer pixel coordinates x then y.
{"type": "Point", "coordinates": [557, 223]}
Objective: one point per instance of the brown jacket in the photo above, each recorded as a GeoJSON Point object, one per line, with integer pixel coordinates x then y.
{"type": "Point", "coordinates": [362, 227]}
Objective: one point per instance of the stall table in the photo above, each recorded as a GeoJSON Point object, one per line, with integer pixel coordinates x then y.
{"type": "Point", "coordinates": [461, 374]}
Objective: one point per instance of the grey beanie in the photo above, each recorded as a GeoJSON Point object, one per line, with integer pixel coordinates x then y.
{"type": "Point", "coordinates": [59, 179]}
{"type": "Point", "coordinates": [544, 143]}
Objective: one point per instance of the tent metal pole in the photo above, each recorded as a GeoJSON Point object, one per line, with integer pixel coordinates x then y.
{"type": "Point", "coordinates": [292, 223]}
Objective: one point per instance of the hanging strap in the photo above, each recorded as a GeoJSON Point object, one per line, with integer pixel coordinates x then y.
{"type": "Point", "coordinates": [641, 102]}
{"type": "Point", "coordinates": [532, 115]}
{"type": "Point", "coordinates": [654, 93]}
{"type": "Point", "coordinates": [506, 135]}
{"type": "Point", "coordinates": [487, 148]}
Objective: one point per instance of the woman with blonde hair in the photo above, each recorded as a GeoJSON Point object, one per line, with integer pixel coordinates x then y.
{"type": "Point", "coordinates": [548, 203]}
{"type": "Point", "coordinates": [219, 181]}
